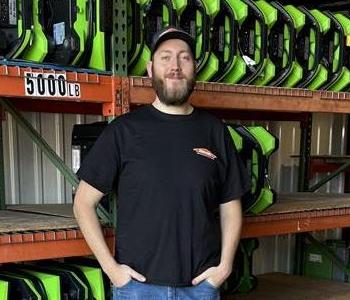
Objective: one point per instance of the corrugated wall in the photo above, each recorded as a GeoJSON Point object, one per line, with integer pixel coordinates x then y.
{"type": "Point", "coordinates": [31, 178]}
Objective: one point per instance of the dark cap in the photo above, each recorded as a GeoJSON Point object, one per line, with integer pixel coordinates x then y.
{"type": "Point", "coordinates": [169, 33]}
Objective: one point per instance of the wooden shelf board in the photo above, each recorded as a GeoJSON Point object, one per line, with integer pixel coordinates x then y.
{"type": "Point", "coordinates": [276, 286]}
{"type": "Point", "coordinates": [299, 212]}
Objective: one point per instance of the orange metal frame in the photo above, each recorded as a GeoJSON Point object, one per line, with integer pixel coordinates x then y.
{"type": "Point", "coordinates": [17, 247]}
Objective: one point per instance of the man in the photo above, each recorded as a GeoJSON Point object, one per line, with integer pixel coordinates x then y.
{"type": "Point", "coordinates": [172, 166]}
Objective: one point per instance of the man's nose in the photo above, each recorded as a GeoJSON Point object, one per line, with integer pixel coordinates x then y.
{"type": "Point", "coordinates": [175, 64]}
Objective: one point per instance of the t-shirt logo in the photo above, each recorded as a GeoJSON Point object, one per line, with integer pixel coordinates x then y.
{"type": "Point", "coordinates": [205, 152]}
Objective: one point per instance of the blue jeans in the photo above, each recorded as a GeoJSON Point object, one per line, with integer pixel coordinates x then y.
{"type": "Point", "coordinates": [135, 290]}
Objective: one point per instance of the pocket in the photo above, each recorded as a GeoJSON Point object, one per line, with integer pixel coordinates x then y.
{"type": "Point", "coordinates": [125, 285]}
{"type": "Point", "coordinates": [210, 285]}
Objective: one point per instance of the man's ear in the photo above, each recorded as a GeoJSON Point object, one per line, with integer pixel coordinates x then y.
{"type": "Point", "coordinates": [149, 69]}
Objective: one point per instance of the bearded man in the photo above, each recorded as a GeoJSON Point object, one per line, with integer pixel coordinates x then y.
{"type": "Point", "coordinates": [172, 166]}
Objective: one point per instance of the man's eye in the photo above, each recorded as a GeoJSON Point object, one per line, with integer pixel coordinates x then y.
{"type": "Point", "coordinates": [185, 57]}
{"type": "Point", "coordinates": [165, 58]}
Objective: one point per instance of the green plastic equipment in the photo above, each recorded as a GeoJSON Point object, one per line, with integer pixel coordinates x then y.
{"type": "Point", "coordinates": [4, 289]}
{"type": "Point", "coordinates": [71, 286]}
{"type": "Point", "coordinates": [296, 72]}
{"type": "Point", "coordinates": [48, 285]}
{"type": "Point", "coordinates": [332, 51]}
{"type": "Point", "coordinates": [196, 19]}
{"type": "Point", "coordinates": [341, 81]}
{"type": "Point", "coordinates": [156, 16]}
{"type": "Point", "coordinates": [15, 27]}
{"type": "Point", "coordinates": [242, 280]}
{"type": "Point", "coordinates": [98, 54]}
{"type": "Point", "coordinates": [270, 15]}
{"type": "Point", "coordinates": [308, 48]}
{"type": "Point", "coordinates": [63, 31]}
{"type": "Point", "coordinates": [135, 29]}
{"type": "Point", "coordinates": [255, 145]}
{"type": "Point", "coordinates": [326, 40]}
{"type": "Point", "coordinates": [224, 41]}
{"type": "Point", "coordinates": [252, 42]}
{"type": "Point", "coordinates": [19, 287]}
{"type": "Point", "coordinates": [281, 44]}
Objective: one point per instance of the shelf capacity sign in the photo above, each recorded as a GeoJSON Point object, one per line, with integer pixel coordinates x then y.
{"type": "Point", "coordinates": [50, 85]}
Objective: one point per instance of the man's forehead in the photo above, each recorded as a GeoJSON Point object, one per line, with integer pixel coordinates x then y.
{"type": "Point", "coordinates": [172, 45]}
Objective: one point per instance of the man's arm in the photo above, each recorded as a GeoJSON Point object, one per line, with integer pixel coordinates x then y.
{"type": "Point", "coordinates": [231, 224]}
{"type": "Point", "coordinates": [84, 208]}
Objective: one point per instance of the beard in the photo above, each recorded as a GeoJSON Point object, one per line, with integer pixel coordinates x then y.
{"type": "Point", "coordinates": [176, 95]}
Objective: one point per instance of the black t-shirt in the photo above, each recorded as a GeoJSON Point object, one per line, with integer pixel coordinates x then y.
{"type": "Point", "coordinates": [170, 173]}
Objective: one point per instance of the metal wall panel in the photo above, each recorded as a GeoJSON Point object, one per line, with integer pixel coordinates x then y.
{"type": "Point", "coordinates": [29, 176]}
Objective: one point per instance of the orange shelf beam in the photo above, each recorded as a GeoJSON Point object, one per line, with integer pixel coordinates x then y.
{"type": "Point", "coordinates": [64, 86]}
{"type": "Point", "coordinates": [246, 97]}
{"type": "Point", "coordinates": [18, 247]}
{"type": "Point", "coordinates": [285, 223]}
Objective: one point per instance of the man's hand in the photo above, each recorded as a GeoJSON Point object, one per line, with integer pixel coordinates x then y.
{"type": "Point", "coordinates": [120, 275]}
{"type": "Point", "coordinates": [214, 275]}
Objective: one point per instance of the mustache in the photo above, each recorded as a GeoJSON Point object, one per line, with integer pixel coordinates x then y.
{"type": "Point", "coordinates": [175, 75]}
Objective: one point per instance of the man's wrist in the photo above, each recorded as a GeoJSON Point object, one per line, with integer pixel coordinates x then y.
{"type": "Point", "coordinates": [226, 268]}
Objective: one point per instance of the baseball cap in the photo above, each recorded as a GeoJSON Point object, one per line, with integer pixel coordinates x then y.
{"type": "Point", "coordinates": [169, 33]}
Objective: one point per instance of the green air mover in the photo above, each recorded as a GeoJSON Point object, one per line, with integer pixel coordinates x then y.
{"type": "Point", "coordinates": [242, 280]}
{"type": "Point", "coordinates": [74, 270]}
{"type": "Point", "coordinates": [342, 82]}
{"type": "Point", "coordinates": [296, 72]}
{"type": "Point", "coordinates": [95, 279]}
{"type": "Point", "coordinates": [326, 37]}
{"type": "Point", "coordinates": [196, 19]}
{"type": "Point", "coordinates": [333, 51]}
{"type": "Point", "coordinates": [70, 284]}
{"type": "Point", "coordinates": [15, 27]}
{"type": "Point", "coordinates": [270, 14]}
{"type": "Point", "coordinates": [255, 145]}
{"type": "Point", "coordinates": [66, 29]}
{"type": "Point", "coordinates": [20, 287]}
{"type": "Point", "coordinates": [135, 29]}
{"type": "Point", "coordinates": [156, 16]}
{"type": "Point", "coordinates": [39, 44]}
{"type": "Point", "coordinates": [225, 40]}
{"type": "Point", "coordinates": [100, 57]}
{"type": "Point", "coordinates": [4, 289]}
{"type": "Point", "coordinates": [308, 48]}
{"type": "Point", "coordinates": [84, 262]}
{"type": "Point", "coordinates": [252, 42]}
{"type": "Point", "coordinates": [281, 44]}
{"type": "Point", "coordinates": [47, 285]}
{"type": "Point", "coordinates": [36, 282]}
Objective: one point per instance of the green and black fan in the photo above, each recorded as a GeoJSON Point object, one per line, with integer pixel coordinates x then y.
{"type": "Point", "coordinates": [255, 145]}
{"type": "Point", "coordinates": [196, 19]}
{"type": "Point", "coordinates": [281, 44]}
{"type": "Point", "coordinates": [341, 82]}
{"type": "Point", "coordinates": [333, 50]}
{"type": "Point", "coordinates": [156, 16]}
{"type": "Point", "coordinates": [308, 48]}
{"type": "Point", "coordinates": [252, 42]}
{"type": "Point", "coordinates": [15, 27]}
{"type": "Point", "coordinates": [225, 40]}
{"type": "Point", "coordinates": [325, 53]}
{"type": "Point", "coordinates": [4, 289]}
{"type": "Point", "coordinates": [270, 15]}
{"type": "Point", "coordinates": [97, 54]}
{"type": "Point", "coordinates": [242, 280]}
{"type": "Point", "coordinates": [135, 36]}
{"type": "Point", "coordinates": [63, 31]}
{"type": "Point", "coordinates": [19, 287]}
{"type": "Point", "coordinates": [71, 286]}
